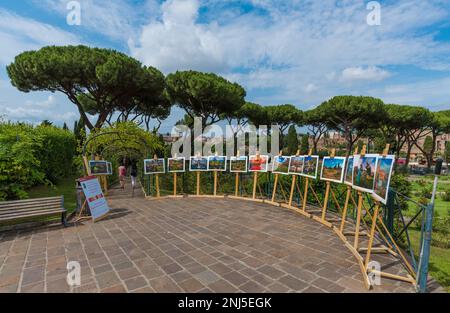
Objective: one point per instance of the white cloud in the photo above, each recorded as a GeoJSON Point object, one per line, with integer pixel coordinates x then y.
{"type": "Point", "coordinates": [371, 73]}
{"type": "Point", "coordinates": [18, 34]}
{"type": "Point", "coordinates": [295, 44]}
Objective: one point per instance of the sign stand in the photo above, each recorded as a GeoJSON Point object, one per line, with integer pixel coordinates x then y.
{"type": "Point", "coordinates": [275, 185]}
{"type": "Point", "coordinates": [347, 200]}
{"type": "Point", "coordinates": [198, 183]}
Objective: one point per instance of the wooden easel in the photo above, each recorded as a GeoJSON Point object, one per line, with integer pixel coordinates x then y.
{"type": "Point", "coordinates": [305, 194]}
{"type": "Point", "coordinates": [236, 179]}
{"type": "Point", "coordinates": [347, 198]}
{"type": "Point", "coordinates": [375, 218]}
{"type": "Point", "coordinates": [255, 180]}
{"type": "Point", "coordinates": [175, 183]}
{"type": "Point", "coordinates": [294, 181]}
{"type": "Point", "coordinates": [275, 186]}
{"type": "Point", "coordinates": [327, 191]}
{"type": "Point", "coordinates": [215, 182]}
{"type": "Point", "coordinates": [359, 208]}
{"type": "Point", "coordinates": [158, 195]}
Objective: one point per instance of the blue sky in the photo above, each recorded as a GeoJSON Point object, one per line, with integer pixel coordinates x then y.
{"type": "Point", "coordinates": [294, 51]}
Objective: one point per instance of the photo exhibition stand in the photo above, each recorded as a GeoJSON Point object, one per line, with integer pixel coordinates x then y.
{"type": "Point", "coordinates": [376, 229]}
{"type": "Point", "coordinates": [275, 188]}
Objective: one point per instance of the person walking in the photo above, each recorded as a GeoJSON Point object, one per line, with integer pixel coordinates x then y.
{"type": "Point", "coordinates": [122, 174]}
{"type": "Point", "coordinates": [133, 174]}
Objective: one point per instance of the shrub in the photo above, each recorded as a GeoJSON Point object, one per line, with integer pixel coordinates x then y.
{"type": "Point", "coordinates": [401, 185]}
{"type": "Point", "coordinates": [32, 155]}
{"type": "Point", "coordinates": [446, 195]}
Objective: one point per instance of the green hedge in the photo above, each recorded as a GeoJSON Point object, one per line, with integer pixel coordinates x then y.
{"type": "Point", "coordinates": [32, 155]}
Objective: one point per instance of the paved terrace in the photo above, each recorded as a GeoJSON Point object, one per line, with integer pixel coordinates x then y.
{"type": "Point", "coordinates": [186, 245]}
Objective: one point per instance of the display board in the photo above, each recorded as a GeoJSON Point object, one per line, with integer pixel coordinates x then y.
{"type": "Point", "coordinates": [154, 166]}
{"type": "Point", "coordinates": [98, 167]}
{"type": "Point", "coordinates": [238, 164]}
{"type": "Point", "coordinates": [281, 165]}
{"type": "Point", "coordinates": [310, 166]}
{"type": "Point", "coordinates": [258, 163]}
{"type": "Point", "coordinates": [364, 168]}
{"type": "Point", "coordinates": [383, 177]}
{"type": "Point", "coordinates": [296, 165]}
{"type": "Point", "coordinates": [333, 169]}
{"type": "Point", "coordinates": [96, 201]}
{"type": "Point", "coordinates": [198, 164]}
{"type": "Point", "coordinates": [176, 165]}
{"type": "Point", "coordinates": [217, 163]}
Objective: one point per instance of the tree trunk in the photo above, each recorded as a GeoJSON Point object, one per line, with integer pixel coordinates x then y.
{"type": "Point", "coordinates": [408, 154]}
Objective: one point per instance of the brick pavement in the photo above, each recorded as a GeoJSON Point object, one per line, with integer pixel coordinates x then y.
{"type": "Point", "coordinates": [186, 245]}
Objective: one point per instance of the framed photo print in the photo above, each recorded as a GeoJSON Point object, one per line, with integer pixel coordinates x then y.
{"type": "Point", "coordinates": [280, 165]}
{"type": "Point", "coordinates": [383, 177]}
{"type": "Point", "coordinates": [258, 163]}
{"type": "Point", "coordinates": [348, 176]}
{"type": "Point", "coordinates": [99, 167]}
{"type": "Point", "coordinates": [238, 164]}
{"type": "Point", "coordinates": [198, 164]}
{"type": "Point", "coordinates": [333, 169]}
{"type": "Point", "coordinates": [217, 163]}
{"type": "Point", "coordinates": [364, 169]}
{"type": "Point", "coordinates": [176, 165]}
{"type": "Point", "coordinates": [310, 165]}
{"type": "Point", "coordinates": [154, 166]}
{"type": "Point", "coordinates": [296, 165]}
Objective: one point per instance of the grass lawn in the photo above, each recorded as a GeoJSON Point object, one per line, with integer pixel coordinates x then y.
{"type": "Point", "coordinates": [64, 187]}
{"type": "Point", "coordinates": [439, 266]}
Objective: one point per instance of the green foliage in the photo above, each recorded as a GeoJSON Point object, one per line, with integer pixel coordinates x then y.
{"type": "Point", "coordinates": [97, 81]}
{"type": "Point", "coordinates": [441, 232]}
{"type": "Point", "coordinates": [428, 144]}
{"type": "Point", "coordinates": [254, 113]}
{"type": "Point", "coordinates": [283, 115]}
{"type": "Point", "coordinates": [291, 141]}
{"type": "Point", "coordinates": [124, 139]}
{"type": "Point", "coordinates": [206, 95]}
{"type": "Point", "coordinates": [304, 144]}
{"type": "Point", "coordinates": [446, 195]}
{"type": "Point", "coordinates": [58, 152]}
{"type": "Point", "coordinates": [32, 155]}
{"type": "Point", "coordinates": [352, 115]}
{"type": "Point", "coordinates": [400, 183]}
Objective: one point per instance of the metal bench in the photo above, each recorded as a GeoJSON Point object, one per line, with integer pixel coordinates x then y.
{"type": "Point", "coordinates": [24, 209]}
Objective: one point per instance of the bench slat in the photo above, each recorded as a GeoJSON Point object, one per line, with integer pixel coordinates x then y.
{"type": "Point", "coordinates": [29, 205]}
{"type": "Point", "coordinates": [31, 200]}
{"type": "Point", "coordinates": [25, 211]}
{"type": "Point", "coordinates": [10, 218]}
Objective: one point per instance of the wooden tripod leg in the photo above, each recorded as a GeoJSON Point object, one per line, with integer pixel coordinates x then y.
{"type": "Point", "coordinates": [215, 184]}
{"type": "Point", "coordinates": [305, 195]}
{"type": "Point", "coordinates": [344, 213]}
{"type": "Point", "coordinates": [174, 184]}
{"type": "Point", "coordinates": [372, 234]}
{"type": "Point", "coordinates": [358, 220]}
{"type": "Point", "coordinates": [255, 182]}
{"type": "Point", "coordinates": [198, 183]}
{"type": "Point", "coordinates": [291, 195]}
{"type": "Point", "coordinates": [274, 192]}
{"type": "Point", "coordinates": [157, 185]}
{"type": "Point", "coordinates": [325, 201]}
{"type": "Point", "coordinates": [236, 187]}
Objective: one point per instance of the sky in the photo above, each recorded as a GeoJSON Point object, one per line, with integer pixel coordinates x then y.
{"type": "Point", "coordinates": [292, 51]}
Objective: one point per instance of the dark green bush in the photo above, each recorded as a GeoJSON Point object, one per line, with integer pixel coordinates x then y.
{"type": "Point", "coordinates": [32, 155]}
{"type": "Point", "coordinates": [400, 184]}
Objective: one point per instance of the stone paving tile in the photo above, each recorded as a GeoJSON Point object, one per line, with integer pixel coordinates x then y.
{"type": "Point", "coordinates": [186, 245]}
